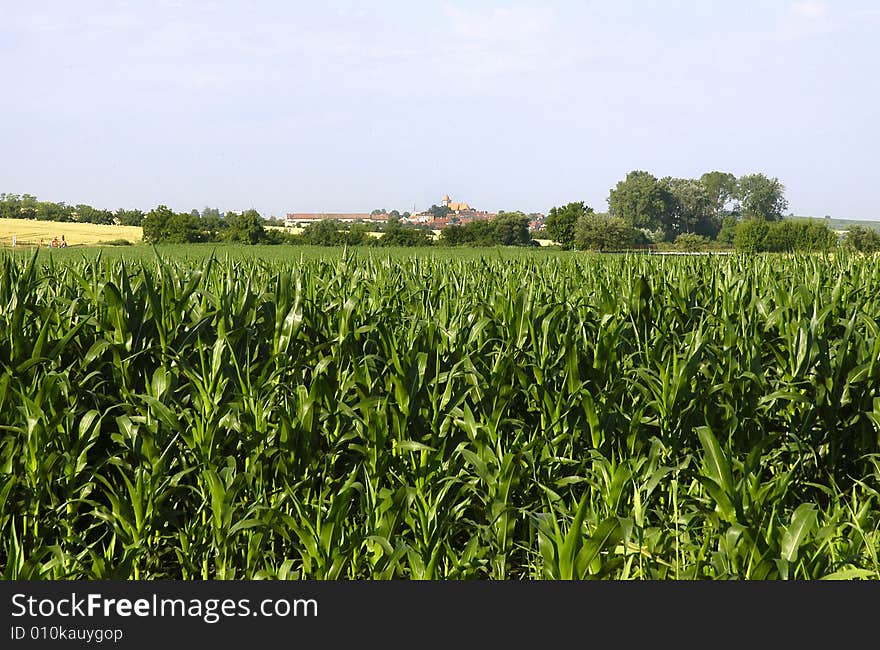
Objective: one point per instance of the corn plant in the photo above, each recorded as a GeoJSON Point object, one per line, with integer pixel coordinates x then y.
{"type": "Point", "coordinates": [194, 414]}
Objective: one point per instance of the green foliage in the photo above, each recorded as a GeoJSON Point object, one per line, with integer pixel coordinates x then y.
{"type": "Point", "coordinates": [439, 211]}
{"type": "Point", "coordinates": [324, 233]}
{"type": "Point", "coordinates": [641, 201]}
{"type": "Point", "coordinates": [722, 189]}
{"type": "Point", "coordinates": [862, 239]}
{"type": "Point", "coordinates": [561, 223]}
{"type": "Point", "coordinates": [762, 197]}
{"type": "Point", "coordinates": [689, 208]}
{"type": "Point", "coordinates": [275, 237]}
{"type": "Point", "coordinates": [506, 229]}
{"type": "Point", "coordinates": [751, 236]}
{"type": "Point", "coordinates": [372, 416]}
{"type": "Point", "coordinates": [115, 242]}
{"type": "Point", "coordinates": [162, 225]}
{"type": "Point", "coordinates": [511, 229]}
{"type": "Point", "coordinates": [476, 233]}
{"type": "Point", "coordinates": [759, 236]}
{"type": "Point", "coordinates": [49, 211]}
{"type": "Point", "coordinates": [709, 206]}
{"type": "Point", "coordinates": [155, 224]}
{"type": "Point", "coordinates": [691, 242]}
{"type": "Point", "coordinates": [26, 206]}
{"type": "Point", "coordinates": [246, 228]}
{"type": "Point", "coordinates": [728, 230]}
{"type": "Point", "coordinates": [334, 233]}
{"type": "Point", "coordinates": [599, 232]}
{"type": "Point", "coordinates": [128, 217]}
{"type": "Point", "coordinates": [359, 235]}
{"type": "Point", "coordinates": [399, 235]}
{"type": "Point", "coordinates": [88, 214]}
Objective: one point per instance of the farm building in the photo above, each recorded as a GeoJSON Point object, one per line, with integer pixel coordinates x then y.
{"type": "Point", "coordinates": [294, 219]}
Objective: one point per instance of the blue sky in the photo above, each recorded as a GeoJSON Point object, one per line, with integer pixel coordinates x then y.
{"type": "Point", "coordinates": [350, 106]}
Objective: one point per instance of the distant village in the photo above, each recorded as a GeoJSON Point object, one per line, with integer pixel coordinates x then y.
{"type": "Point", "coordinates": [453, 214]}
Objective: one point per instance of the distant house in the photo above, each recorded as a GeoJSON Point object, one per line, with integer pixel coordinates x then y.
{"type": "Point", "coordinates": [419, 217]}
{"type": "Point", "coordinates": [297, 219]}
{"type": "Point", "coordinates": [536, 223]}
{"type": "Point", "coordinates": [460, 214]}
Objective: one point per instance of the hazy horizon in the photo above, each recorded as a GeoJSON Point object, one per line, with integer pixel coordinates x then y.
{"type": "Point", "coordinates": [348, 107]}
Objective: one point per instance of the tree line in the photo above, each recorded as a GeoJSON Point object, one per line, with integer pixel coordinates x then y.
{"type": "Point", "coordinates": [163, 225]}
{"type": "Point", "coordinates": [717, 210]}
{"type": "Point", "coordinates": [643, 209]}
{"type": "Point", "coordinates": [334, 233]}
{"type": "Point", "coordinates": [27, 206]}
{"type": "Point", "coordinates": [506, 229]}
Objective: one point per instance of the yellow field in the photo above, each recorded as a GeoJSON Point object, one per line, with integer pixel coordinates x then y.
{"type": "Point", "coordinates": [29, 232]}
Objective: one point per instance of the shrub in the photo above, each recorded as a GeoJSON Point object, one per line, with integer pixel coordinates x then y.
{"type": "Point", "coordinates": [862, 239]}
{"type": "Point", "coordinates": [598, 232]}
{"type": "Point", "coordinates": [759, 236]}
{"type": "Point", "coordinates": [691, 242]}
{"type": "Point", "coordinates": [397, 235]}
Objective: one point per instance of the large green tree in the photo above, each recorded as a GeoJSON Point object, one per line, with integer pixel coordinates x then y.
{"type": "Point", "coordinates": [183, 228]}
{"type": "Point", "coordinates": [762, 197]}
{"type": "Point", "coordinates": [246, 227]}
{"type": "Point", "coordinates": [128, 217]}
{"type": "Point", "coordinates": [561, 223]}
{"type": "Point", "coordinates": [88, 214]}
{"type": "Point", "coordinates": [163, 225]}
{"type": "Point", "coordinates": [722, 189]}
{"type": "Point", "coordinates": [642, 202]}
{"type": "Point", "coordinates": [155, 223]}
{"type": "Point", "coordinates": [511, 229]}
{"type": "Point", "coordinates": [50, 211]}
{"type": "Point", "coordinates": [689, 208]}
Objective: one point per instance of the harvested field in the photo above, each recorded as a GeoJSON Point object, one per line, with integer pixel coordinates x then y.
{"type": "Point", "coordinates": [29, 232]}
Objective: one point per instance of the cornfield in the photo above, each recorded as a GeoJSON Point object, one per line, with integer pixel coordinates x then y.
{"type": "Point", "coordinates": [573, 417]}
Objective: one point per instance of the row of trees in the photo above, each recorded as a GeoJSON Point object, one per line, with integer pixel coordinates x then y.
{"type": "Point", "coordinates": [163, 225]}
{"type": "Point", "coordinates": [393, 217]}
{"type": "Point", "coordinates": [600, 232]}
{"type": "Point", "coordinates": [506, 229]}
{"type": "Point", "coordinates": [667, 207]}
{"type": "Point", "coordinates": [643, 206]}
{"type": "Point", "coordinates": [27, 206]}
{"type": "Point", "coordinates": [762, 236]}
{"type": "Point", "coordinates": [717, 209]}
{"type": "Point", "coordinates": [334, 233]}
